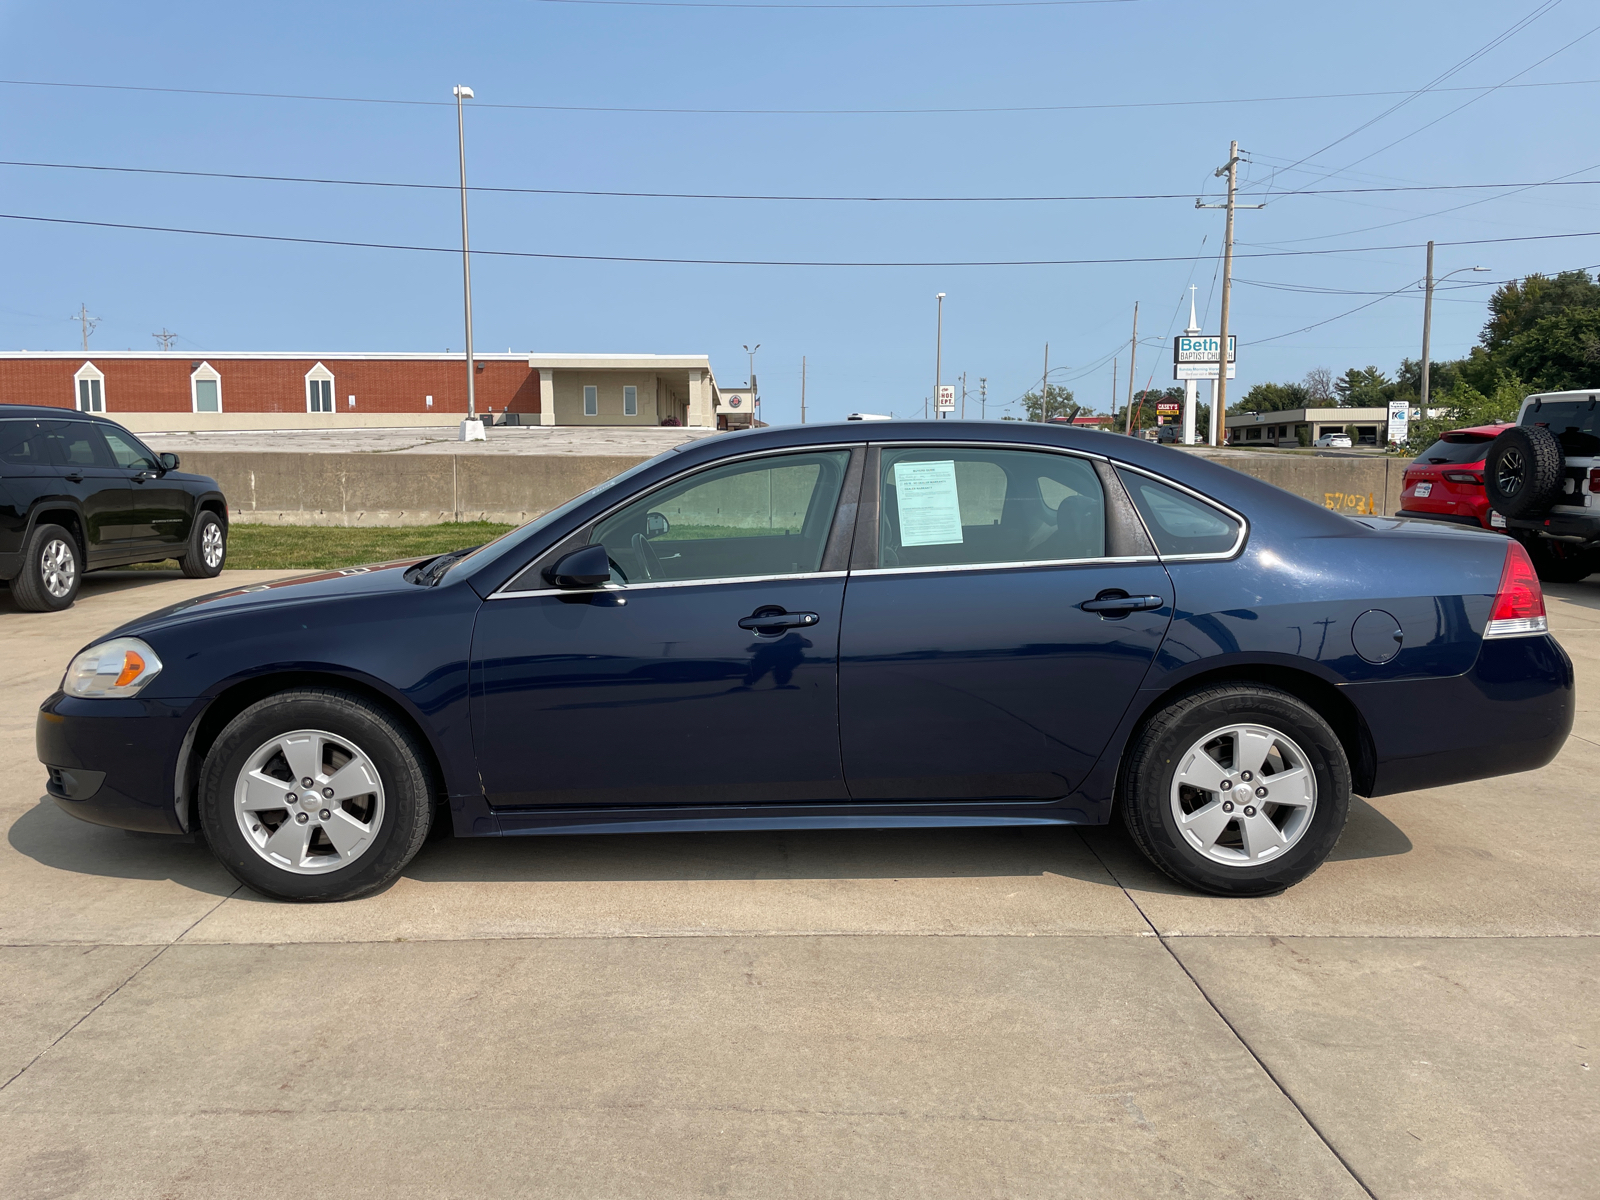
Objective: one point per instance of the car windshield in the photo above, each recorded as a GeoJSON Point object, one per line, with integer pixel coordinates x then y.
{"type": "Point", "coordinates": [1465, 451]}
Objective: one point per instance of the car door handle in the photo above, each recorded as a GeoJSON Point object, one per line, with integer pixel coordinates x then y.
{"type": "Point", "coordinates": [778, 620]}
{"type": "Point", "coordinates": [1121, 604]}
{"type": "Point", "coordinates": [73, 478]}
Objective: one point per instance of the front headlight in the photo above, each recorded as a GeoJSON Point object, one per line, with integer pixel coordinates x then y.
{"type": "Point", "coordinates": [112, 670]}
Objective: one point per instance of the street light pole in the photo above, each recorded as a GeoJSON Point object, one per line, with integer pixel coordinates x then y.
{"type": "Point", "coordinates": [461, 92]}
{"type": "Point", "coordinates": [751, 351]}
{"type": "Point", "coordinates": [938, 357]}
{"type": "Point", "coordinates": [1427, 322]}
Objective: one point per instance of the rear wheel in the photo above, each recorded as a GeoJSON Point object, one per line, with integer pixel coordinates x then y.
{"type": "Point", "coordinates": [1562, 562]}
{"type": "Point", "coordinates": [51, 573]}
{"type": "Point", "coordinates": [208, 547]}
{"type": "Point", "coordinates": [1240, 790]}
{"type": "Point", "coordinates": [315, 794]}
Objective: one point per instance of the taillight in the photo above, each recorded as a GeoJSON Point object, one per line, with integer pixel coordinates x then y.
{"type": "Point", "coordinates": [1463, 477]}
{"type": "Point", "coordinates": [1519, 605]}
{"type": "Point", "coordinates": [1594, 481]}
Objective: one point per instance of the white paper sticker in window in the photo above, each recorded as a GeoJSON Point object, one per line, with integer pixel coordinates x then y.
{"type": "Point", "coordinates": [930, 508]}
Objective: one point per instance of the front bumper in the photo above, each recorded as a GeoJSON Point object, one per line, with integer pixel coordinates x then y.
{"type": "Point", "coordinates": [1511, 712]}
{"type": "Point", "coordinates": [114, 762]}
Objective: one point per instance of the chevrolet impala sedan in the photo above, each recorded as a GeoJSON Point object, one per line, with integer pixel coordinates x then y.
{"type": "Point", "coordinates": [894, 625]}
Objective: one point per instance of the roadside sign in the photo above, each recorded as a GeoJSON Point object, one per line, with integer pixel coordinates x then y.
{"type": "Point", "coordinates": [947, 397]}
{"type": "Point", "coordinates": [1194, 356]}
{"type": "Point", "coordinates": [1399, 420]}
{"type": "Point", "coordinates": [1167, 412]}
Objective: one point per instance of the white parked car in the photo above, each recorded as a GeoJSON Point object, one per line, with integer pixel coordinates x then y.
{"type": "Point", "coordinates": [1336, 441]}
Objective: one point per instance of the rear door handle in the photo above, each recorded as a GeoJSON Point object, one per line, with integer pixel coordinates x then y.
{"type": "Point", "coordinates": [763, 620]}
{"type": "Point", "coordinates": [73, 478]}
{"type": "Point", "coordinates": [1121, 604]}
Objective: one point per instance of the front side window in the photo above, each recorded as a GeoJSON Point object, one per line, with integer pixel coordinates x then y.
{"type": "Point", "coordinates": [1179, 524]}
{"type": "Point", "coordinates": [770, 516]}
{"type": "Point", "coordinates": [630, 401]}
{"type": "Point", "coordinates": [591, 400]}
{"type": "Point", "coordinates": [129, 453]}
{"type": "Point", "coordinates": [962, 507]}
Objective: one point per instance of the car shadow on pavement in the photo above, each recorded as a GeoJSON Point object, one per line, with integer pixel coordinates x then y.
{"type": "Point", "coordinates": [53, 839]}
{"type": "Point", "coordinates": [1585, 594]}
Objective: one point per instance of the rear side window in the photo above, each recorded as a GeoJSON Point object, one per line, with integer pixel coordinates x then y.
{"type": "Point", "coordinates": [77, 444]}
{"type": "Point", "coordinates": [1442, 453]}
{"type": "Point", "coordinates": [1575, 422]}
{"type": "Point", "coordinates": [1178, 523]}
{"type": "Point", "coordinates": [961, 507]}
{"type": "Point", "coordinates": [22, 444]}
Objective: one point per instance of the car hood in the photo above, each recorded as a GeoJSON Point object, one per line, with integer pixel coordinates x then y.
{"type": "Point", "coordinates": [298, 589]}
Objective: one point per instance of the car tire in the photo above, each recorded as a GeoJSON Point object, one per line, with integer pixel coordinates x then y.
{"type": "Point", "coordinates": [51, 571]}
{"type": "Point", "coordinates": [1256, 847]}
{"type": "Point", "coordinates": [1561, 562]}
{"type": "Point", "coordinates": [208, 547]}
{"type": "Point", "coordinates": [1523, 471]}
{"type": "Point", "coordinates": [289, 842]}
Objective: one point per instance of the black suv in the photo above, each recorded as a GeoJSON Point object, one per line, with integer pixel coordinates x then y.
{"type": "Point", "coordinates": [78, 492]}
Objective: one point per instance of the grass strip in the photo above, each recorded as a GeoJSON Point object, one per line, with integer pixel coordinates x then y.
{"type": "Point", "coordinates": [323, 547]}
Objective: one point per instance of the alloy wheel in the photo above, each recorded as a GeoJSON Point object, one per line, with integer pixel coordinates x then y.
{"type": "Point", "coordinates": [1243, 795]}
{"type": "Point", "coordinates": [309, 802]}
{"type": "Point", "coordinates": [211, 545]}
{"type": "Point", "coordinates": [1511, 472]}
{"type": "Point", "coordinates": [58, 568]}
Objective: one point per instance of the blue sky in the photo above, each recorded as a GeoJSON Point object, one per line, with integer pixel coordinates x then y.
{"type": "Point", "coordinates": [868, 333]}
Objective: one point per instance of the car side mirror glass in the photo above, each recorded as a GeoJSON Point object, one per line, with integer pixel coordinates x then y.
{"type": "Point", "coordinates": [586, 568]}
{"type": "Point", "coordinates": [655, 525]}
{"type": "Point", "coordinates": [168, 461]}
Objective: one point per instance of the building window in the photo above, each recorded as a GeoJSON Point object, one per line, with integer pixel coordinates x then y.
{"type": "Point", "coordinates": [630, 402]}
{"type": "Point", "coordinates": [89, 383]}
{"type": "Point", "coordinates": [591, 400]}
{"type": "Point", "coordinates": [205, 389]}
{"type": "Point", "coordinates": [319, 389]}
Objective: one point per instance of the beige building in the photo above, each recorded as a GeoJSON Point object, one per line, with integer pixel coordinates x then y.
{"type": "Point", "coordinates": [1367, 426]}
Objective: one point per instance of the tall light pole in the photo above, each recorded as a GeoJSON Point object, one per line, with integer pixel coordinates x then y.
{"type": "Point", "coordinates": [1427, 321]}
{"type": "Point", "coordinates": [938, 356]}
{"type": "Point", "coordinates": [751, 351]}
{"type": "Point", "coordinates": [462, 92]}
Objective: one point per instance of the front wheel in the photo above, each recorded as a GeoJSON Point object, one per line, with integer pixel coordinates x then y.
{"type": "Point", "coordinates": [208, 547]}
{"type": "Point", "coordinates": [315, 794]}
{"type": "Point", "coordinates": [1239, 790]}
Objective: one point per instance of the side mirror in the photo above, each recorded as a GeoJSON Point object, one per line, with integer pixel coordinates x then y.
{"type": "Point", "coordinates": [168, 461]}
{"type": "Point", "coordinates": [586, 568]}
{"type": "Point", "coordinates": [655, 525]}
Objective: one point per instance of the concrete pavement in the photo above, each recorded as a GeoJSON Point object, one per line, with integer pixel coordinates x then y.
{"type": "Point", "coordinates": [965, 1013]}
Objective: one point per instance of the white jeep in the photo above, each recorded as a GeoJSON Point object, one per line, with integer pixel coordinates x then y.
{"type": "Point", "coordinates": [1543, 478]}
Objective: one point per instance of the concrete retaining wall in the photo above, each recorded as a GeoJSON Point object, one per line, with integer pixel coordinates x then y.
{"type": "Point", "coordinates": [284, 488]}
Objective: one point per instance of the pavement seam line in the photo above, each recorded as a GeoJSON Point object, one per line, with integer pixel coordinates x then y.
{"type": "Point", "coordinates": [99, 1004]}
{"type": "Point", "coordinates": [1239, 1037]}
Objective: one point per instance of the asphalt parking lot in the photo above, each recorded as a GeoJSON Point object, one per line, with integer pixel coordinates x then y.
{"type": "Point", "coordinates": [856, 1014]}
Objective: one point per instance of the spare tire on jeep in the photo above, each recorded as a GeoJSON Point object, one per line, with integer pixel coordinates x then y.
{"type": "Point", "coordinates": [1523, 471]}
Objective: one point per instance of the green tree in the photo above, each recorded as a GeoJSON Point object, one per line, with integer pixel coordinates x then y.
{"type": "Point", "coordinates": [1061, 404]}
{"type": "Point", "coordinates": [1272, 397]}
{"type": "Point", "coordinates": [1561, 352]}
{"type": "Point", "coordinates": [1362, 387]}
{"type": "Point", "coordinates": [1518, 306]}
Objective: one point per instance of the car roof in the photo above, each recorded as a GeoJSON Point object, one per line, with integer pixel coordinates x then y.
{"type": "Point", "coordinates": [43, 410]}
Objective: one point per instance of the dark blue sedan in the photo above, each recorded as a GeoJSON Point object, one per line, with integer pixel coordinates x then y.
{"type": "Point", "coordinates": [916, 624]}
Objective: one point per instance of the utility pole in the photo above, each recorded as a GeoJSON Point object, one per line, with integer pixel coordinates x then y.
{"type": "Point", "coordinates": [938, 355]}
{"type": "Point", "coordinates": [754, 402]}
{"type": "Point", "coordinates": [802, 389]}
{"type": "Point", "coordinates": [1115, 363]}
{"type": "Point", "coordinates": [1044, 387]}
{"type": "Point", "coordinates": [1133, 355]}
{"type": "Point", "coordinates": [83, 318]}
{"type": "Point", "coordinates": [983, 397]}
{"type": "Point", "coordinates": [1427, 321]}
{"type": "Point", "coordinates": [1219, 397]}
{"type": "Point", "coordinates": [963, 395]}
{"type": "Point", "coordinates": [471, 428]}
{"type": "Point", "coordinates": [166, 337]}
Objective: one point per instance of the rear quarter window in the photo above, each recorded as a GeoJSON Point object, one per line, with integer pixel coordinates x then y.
{"type": "Point", "coordinates": [22, 444]}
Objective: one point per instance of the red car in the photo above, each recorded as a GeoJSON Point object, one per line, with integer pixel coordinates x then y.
{"type": "Point", "coordinates": [1445, 482]}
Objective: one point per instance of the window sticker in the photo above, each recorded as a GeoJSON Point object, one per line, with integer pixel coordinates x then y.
{"type": "Point", "coordinates": [930, 508]}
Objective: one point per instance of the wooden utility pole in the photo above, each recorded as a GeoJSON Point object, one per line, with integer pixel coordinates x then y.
{"type": "Point", "coordinates": [802, 389]}
{"type": "Point", "coordinates": [1115, 363]}
{"type": "Point", "coordinates": [1427, 328]}
{"type": "Point", "coordinates": [963, 395]}
{"type": "Point", "coordinates": [1219, 397]}
{"type": "Point", "coordinates": [1044, 387]}
{"type": "Point", "coordinates": [1133, 355]}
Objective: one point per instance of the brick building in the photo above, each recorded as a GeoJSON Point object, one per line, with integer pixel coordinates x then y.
{"type": "Point", "coordinates": [176, 390]}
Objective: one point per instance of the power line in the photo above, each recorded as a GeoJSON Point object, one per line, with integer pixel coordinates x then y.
{"type": "Point", "coordinates": [778, 112]}
{"type": "Point", "coordinates": [747, 262]}
{"type": "Point", "coordinates": [593, 192]}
